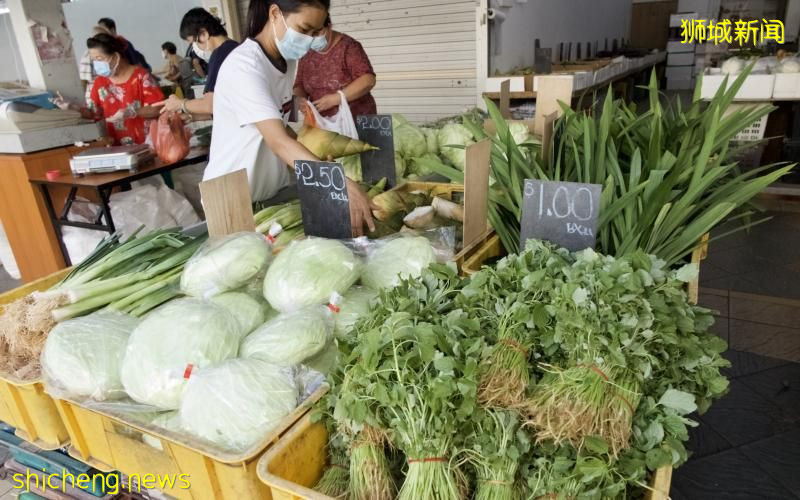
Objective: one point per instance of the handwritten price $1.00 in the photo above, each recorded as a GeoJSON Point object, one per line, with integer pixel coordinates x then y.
{"type": "Point", "coordinates": [328, 177]}
{"type": "Point", "coordinates": [562, 204]}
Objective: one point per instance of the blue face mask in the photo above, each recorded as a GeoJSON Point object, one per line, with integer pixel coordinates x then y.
{"type": "Point", "coordinates": [320, 43]}
{"type": "Point", "coordinates": [294, 44]}
{"type": "Point", "coordinates": [101, 68]}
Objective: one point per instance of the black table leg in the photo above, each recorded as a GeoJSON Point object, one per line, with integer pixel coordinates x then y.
{"type": "Point", "coordinates": [105, 194]}
{"type": "Point", "coordinates": [48, 201]}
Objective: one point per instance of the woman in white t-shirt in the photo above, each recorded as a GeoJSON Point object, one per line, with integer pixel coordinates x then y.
{"type": "Point", "coordinates": [253, 98]}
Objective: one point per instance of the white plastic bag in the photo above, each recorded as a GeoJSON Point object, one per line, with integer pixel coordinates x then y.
{"type": "Point", "coordinates": [341, 123]}
{"type": "Point", "coordinates": [7, 256]}
{"type": "Point", "coordinates": [151, 206]}
{"type": "Point", "coordinates": [81, 242]}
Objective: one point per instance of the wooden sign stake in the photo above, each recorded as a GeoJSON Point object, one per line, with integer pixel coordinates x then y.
{"type": "Point", "coordinates": [476, 191]}
{"type": "Point", "coordinates": [547, 137]}
{"type": "Point", "coordinates": [227, 204]}
{"type": "Point", "coordinates": [505, 99]}
{"type": "Point", "coordinates": [552, 89]}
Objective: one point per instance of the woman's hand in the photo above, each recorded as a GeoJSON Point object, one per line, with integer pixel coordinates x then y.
{"type": "Point", "coordinates": [327, 102]}
{"type": "Point", "coordinates": [360, 209]}
{"type": "Point", "coordinates": [172, 104]}
{"type": "Point", "coordinates": [63, 104]}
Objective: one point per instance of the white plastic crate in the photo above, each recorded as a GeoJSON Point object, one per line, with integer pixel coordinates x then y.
{"type": "Point", "coordinates": [755, 87]}
{"type": "Point", "coordinates": [755, 132]}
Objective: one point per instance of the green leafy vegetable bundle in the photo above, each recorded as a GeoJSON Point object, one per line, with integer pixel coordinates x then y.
{"type": "Point", "coordinates": [604, 359]}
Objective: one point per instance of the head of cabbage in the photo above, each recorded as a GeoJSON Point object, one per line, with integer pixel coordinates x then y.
{"type": "Point", "coordinates": [403, 257]}
{"type": "Point", "coordinates": [225, 264]}
{"type": "Point", "coordinates": [431, 139]}
{"type": "Point", "coordinates": [455, 134]}
{"type": "Point", "coordinates": [356, 303]}
{"type": "Point", "coordinates": [290, 338]}
{"type": "Point", "coordinates": [82, 356]}
{"type": "Point", "coordinates": [182, 334]}
{"type": "Point", "coordinates": [237, 403]}
{"type": "Point", "coordinates": [409, 140]}
{"type": "Point", "coordinates": [248, 311]}
{"type": "Point", "coordinates": [308, 272]}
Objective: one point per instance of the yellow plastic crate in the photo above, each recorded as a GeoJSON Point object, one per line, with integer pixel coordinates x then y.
{"type": "Point", "coordinates": [109, 442]}
{"type": "Point", "coordinates": [24, 404]}
{"type": "Point", "coordinates": [296, 462]}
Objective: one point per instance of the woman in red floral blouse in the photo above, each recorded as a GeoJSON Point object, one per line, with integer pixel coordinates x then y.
{"type": "Point", "coordinates": [341, 65]}
{"type": "Point", "coordinates": [122, 93]}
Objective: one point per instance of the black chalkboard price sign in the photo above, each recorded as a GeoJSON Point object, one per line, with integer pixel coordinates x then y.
{"type": "Point", "coordinates": [377, 164]}
{"type": "Point", "coordinates": [564, 213]}
{"type": "Point", "coordinates": [322, 189]}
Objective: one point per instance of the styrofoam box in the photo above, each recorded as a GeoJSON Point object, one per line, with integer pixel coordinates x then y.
{"type": "Point", "coordinates": [679, 72]}
{"type": "Point", "coordinates": [583, 79]}
{"type": "Point", "coordinates": [787, 86]}
{"type": "Point", "coordinates": [755, 87]}
{"type": "Point", "coordinates": [680, 84]}
{"type": "Point", "coordinates": [517, 83]}
{"type": "Point", "coordinates": [681, 59]}
{"type": "Point", "coordinates": [603, 74]}
{"type": "Point", "coordinates": [676, 46]}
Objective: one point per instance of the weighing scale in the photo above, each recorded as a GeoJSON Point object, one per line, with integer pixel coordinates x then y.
{"type": "Point", "coordinates": [26, 128]}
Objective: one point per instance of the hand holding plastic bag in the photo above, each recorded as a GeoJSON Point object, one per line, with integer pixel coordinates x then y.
{"type": "Point", "coordinates": [170, 138]}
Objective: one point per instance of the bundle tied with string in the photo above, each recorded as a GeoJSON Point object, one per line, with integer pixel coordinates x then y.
{"type": "Point", "coordinates": [505, 374]}
{"type": "Point", "coordinates": [370, 474]}
{"type": "Point", "coordinates": [583, 401]}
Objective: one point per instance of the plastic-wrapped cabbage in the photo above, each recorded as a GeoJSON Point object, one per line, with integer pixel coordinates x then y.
{"type": "Point", "coordinates": [733, 66]}
{"type": "Point", "coordinates": [788, 65]}
{"type": "Point", "coordinates": [403, 257]}
{"type": "Point", "coordinates": [82, 356]}
{"type": "Point", "coordinates": [248, 311]}
{"type": "Point", "coordinates": [455, 134]}
{"type": "Point", "coordinates": [225, 264]}
{"type": "Point", "coordinates": [352, 167]}
{"type": "Point", "coordinates": [409, 140]}
{"type": "Point", "coordinates": [308, 272]}
{"type": "Point", "coordinates": [290, 338]}
{"type": "Point", "coordinates": [171, 342]}
{"type": "Point", "coordinates": [237, 403]}
{"type": "Point", "coordinates": [431, 139]}
{"type": "Point", "coordinates": [520, 133]}
{"type": "Point", "coordinates": [356, 303]}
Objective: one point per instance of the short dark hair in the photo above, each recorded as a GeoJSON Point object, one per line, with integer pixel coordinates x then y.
{"type": "Point", "coordinates": [328, 21]}
{"type": "Point", "coordinates": [108, 23]}
{"type": "Point", "coordinates": [198, 19]}
{"type": "Point", "coordinates": [110, 45]}
{"type": "Point", "coordinates": [169, 47]}
{"type": "Point", "coordinates": [258, 13]}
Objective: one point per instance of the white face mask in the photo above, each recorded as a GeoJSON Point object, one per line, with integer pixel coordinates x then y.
{"type": "Point", "coordinates": [202, 54]}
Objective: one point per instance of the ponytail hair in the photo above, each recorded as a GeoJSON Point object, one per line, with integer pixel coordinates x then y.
{"type": "Point", "coordinates": [258, 13]}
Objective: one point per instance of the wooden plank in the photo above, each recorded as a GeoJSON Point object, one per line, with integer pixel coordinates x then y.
{"type": "Point", "coordinates": [547, 137]}
{"type": "Point", "coordinates": [650, 23]}
{"type": "Point", "coordinates": [226, 201]}
{"type": "Point", "coordinates": [505, 99]}
{"type": "Point", "coordinates": [476, 191]}
{"type": "Point", "coordinates": [552, 91]}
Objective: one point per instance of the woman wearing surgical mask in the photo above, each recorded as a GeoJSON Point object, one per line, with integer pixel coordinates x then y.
{"type": "Point", "coordinates": [253, 98]}
{"type": "Point", "coordinates": [210, 42]}
{"type": "Point", "coordinates": [336, 63]}
{"type": "Point", "coordinates": [122, 94]}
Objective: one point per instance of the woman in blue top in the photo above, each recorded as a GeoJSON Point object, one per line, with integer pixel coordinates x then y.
{"type": "Point", "coordinates": [210, 42]}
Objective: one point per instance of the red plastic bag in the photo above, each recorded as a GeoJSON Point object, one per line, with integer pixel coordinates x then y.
{"type": "Point", "coordinates": [170, 138]}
